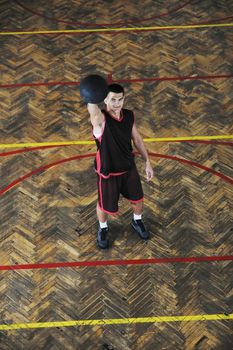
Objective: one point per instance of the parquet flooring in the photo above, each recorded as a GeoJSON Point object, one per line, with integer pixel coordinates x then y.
{"type": "Point", "coordinates": [50, 216]}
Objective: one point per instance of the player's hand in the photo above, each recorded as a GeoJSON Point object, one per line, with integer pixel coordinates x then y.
{"type": "Point", "coordinates": [149, 171]}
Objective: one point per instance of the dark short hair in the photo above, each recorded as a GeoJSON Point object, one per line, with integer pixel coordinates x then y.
{"type": "Point", "coordinates": [117, 88]}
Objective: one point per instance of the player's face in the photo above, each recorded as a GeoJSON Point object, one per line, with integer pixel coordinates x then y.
{"type": "Point", "coordinates": [114, 102]}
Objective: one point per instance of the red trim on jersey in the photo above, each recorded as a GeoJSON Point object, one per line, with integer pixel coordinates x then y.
{"type": "Point", "coordinates": [98, 161]}
{"type": "Point", "coordinates": [115, 118]}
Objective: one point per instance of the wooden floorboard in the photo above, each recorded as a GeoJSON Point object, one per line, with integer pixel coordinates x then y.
{"type": "Point", "coordinates": [50, 215]}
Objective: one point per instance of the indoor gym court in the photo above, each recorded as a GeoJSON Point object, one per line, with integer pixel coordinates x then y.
{"type": "Point", "coordinates": [58, 290]}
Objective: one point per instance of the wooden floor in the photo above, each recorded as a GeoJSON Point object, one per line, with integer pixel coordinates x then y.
{"type": "Point", "coordinates": [49, 216]}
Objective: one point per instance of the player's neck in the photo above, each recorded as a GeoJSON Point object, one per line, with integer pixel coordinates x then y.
{"type": "Point", "coordinates": [116, 115]}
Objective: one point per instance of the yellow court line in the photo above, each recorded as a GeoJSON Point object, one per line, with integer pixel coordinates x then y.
{"type": "Point", "coordinates": [158, 319]}
{"type": "Point", "coordinates": [86, 142]}
{"type": "Point", "coordinates": [191, 138]}
{"type": "Point", "coordinates": [99, 30]}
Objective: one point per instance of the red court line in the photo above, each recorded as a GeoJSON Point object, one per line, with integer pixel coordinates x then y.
{"type": "Point", "coordinates": [136, 80]}
{"type": "Point", "coordinates": [10, 153]}
{"type": "Point", "coordinates": [200, 166]}
{"type": "Point", "coordinates": [175, 9]}
{"type": "Point", "coordinates": [42, 169]}
{"type": "Point", "coordinates": [158, 155]}
{"type": "Point", "coordinates": [216, 20]}
{"type": "Point", "coordinates": [56, 265]}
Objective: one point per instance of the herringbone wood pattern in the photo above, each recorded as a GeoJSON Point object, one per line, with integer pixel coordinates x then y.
{"type": "Point", "coordinates": [51, 215]}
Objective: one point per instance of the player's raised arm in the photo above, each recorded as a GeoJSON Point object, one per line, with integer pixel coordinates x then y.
{"type": "Point", "coordinates": [97, 117]}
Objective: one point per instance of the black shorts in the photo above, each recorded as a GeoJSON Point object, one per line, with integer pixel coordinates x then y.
{"type": "Point", "coordinates": [109, 190]}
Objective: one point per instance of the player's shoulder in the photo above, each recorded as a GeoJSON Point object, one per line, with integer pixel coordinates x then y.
{"type": "Point", "coordinates": [127, 111]}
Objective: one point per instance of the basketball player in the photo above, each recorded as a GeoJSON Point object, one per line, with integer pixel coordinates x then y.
{"type": "Point", "coordinates": [113, 130]}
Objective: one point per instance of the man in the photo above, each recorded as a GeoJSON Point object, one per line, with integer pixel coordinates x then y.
{"type": "Point", "coordinates": [117, 174]}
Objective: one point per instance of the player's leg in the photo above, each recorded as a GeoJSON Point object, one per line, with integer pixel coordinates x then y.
{"type": "Point", "coordinates": [132, 190]}
{"type": "Point", "coordinates": [108, 197]}
{"type": "Point", "coordinates": [101, 215]}
{"type": "Point", "coordinates": [137, 207]}
{"type": "Point", "coordinates": [102, 234]}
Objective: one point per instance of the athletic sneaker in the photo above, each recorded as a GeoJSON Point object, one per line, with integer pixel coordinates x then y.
{"type": "Point", "coordinates": [139, 227]}
{"type": "Point", "coordinates": [102, 239]}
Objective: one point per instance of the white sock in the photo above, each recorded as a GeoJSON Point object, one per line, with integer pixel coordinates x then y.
{"type": "Point", "coordinates": [103, 224]}
{"type": "Point", "coordinates": [137, 217]}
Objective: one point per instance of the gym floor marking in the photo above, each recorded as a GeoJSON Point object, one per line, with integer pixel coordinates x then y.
{"type": "Point", "coordinates": [157, 319]}
{"type": "Point", "coordinates": [173, 10]}
{"type": "Point", "coordinates": [126, 29]}
{"type": "Point", "coordinates": [135, 80]}
{"type": "Point", "coordinates": [96, 322]}
{"type": "Point", "coordinates": [172, 260]}
{"type": "Point", "coordinates": [86, 142]}
{"type": "Point", "coordinates": [65, 160]}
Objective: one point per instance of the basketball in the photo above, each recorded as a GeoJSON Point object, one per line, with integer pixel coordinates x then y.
{"type": "Point", "coordinates": [93, 89]}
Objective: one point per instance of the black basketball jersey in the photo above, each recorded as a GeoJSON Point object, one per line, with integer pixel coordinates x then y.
{"type": "Point", "coordinates": [114, 148]}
